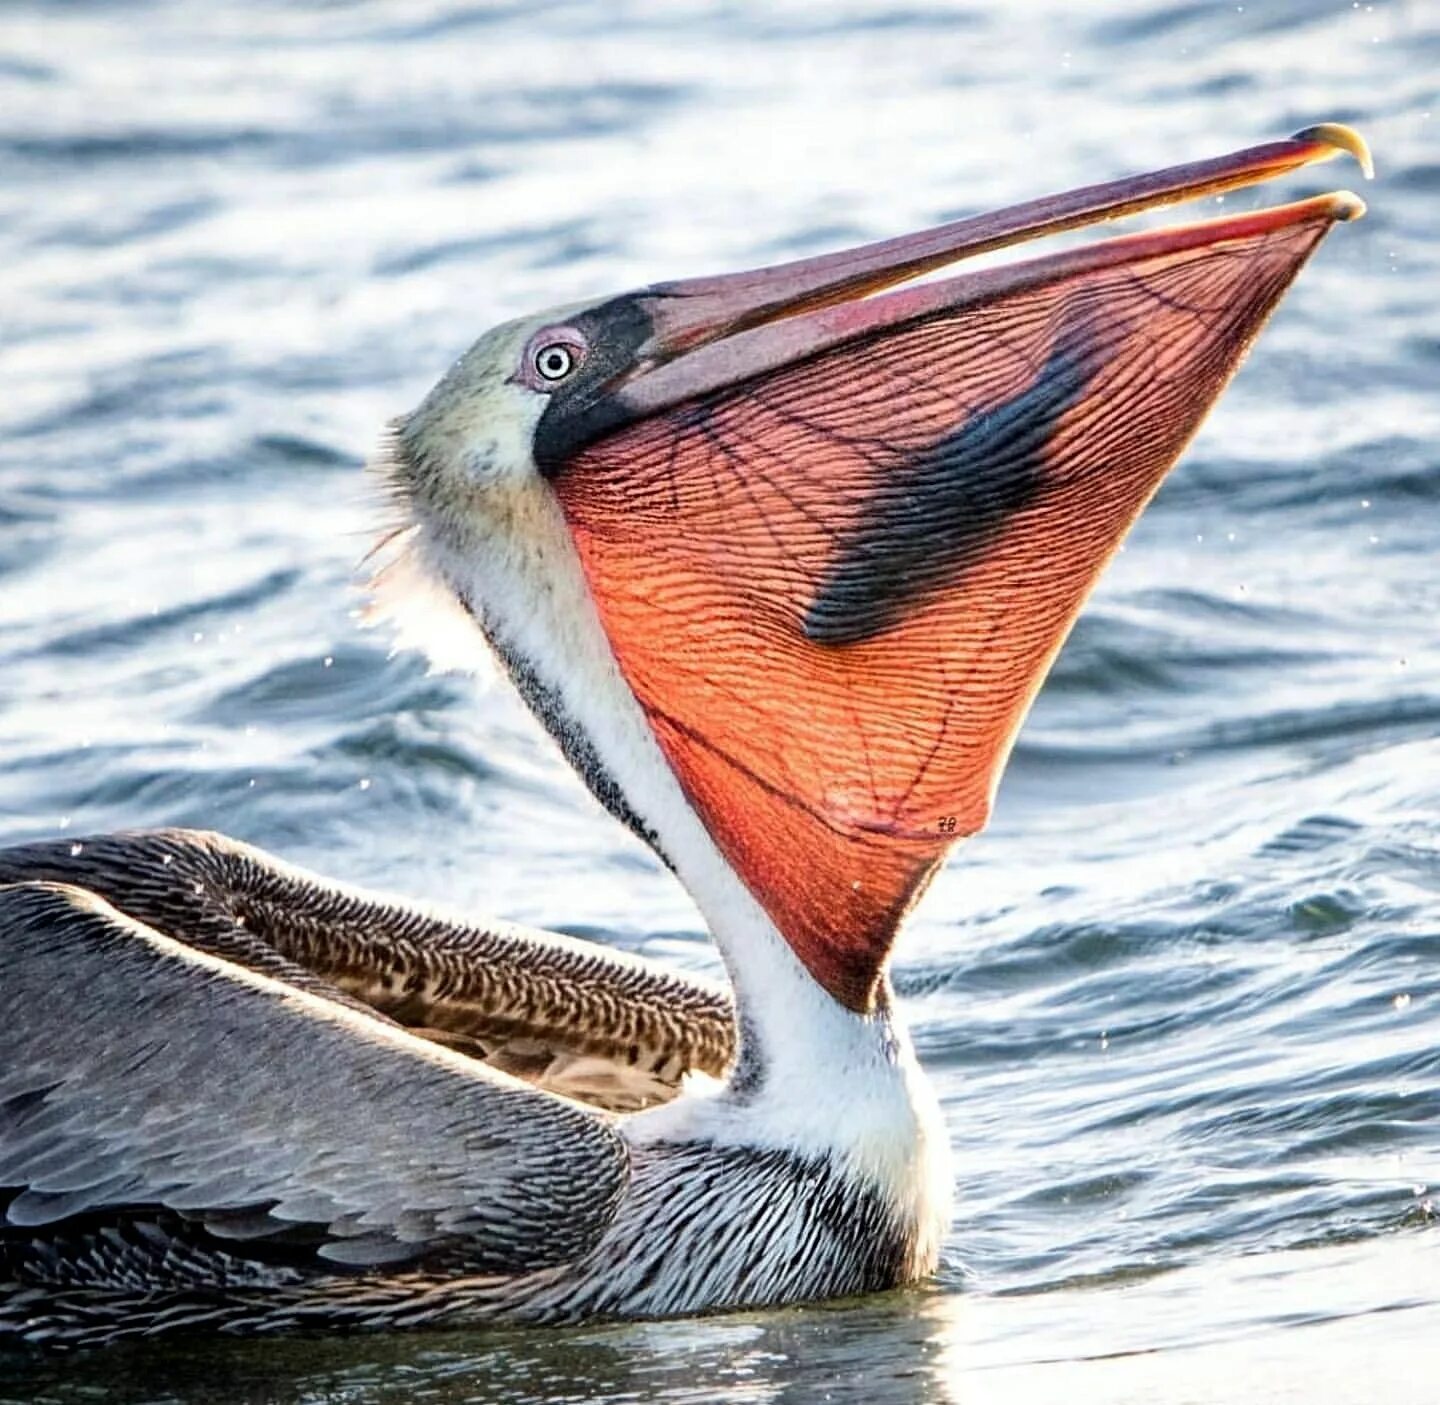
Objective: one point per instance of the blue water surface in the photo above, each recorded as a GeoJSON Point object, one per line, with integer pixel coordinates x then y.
{"type": "Point", "coordinates": [1182, 1001]}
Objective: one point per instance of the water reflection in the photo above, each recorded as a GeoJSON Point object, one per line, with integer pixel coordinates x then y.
{"type": "Point", "coordinates": [1365, 1312]}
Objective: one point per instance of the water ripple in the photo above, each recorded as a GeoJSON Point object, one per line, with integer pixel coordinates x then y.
{"type": "Point", "coordinates": [1179, 1003]}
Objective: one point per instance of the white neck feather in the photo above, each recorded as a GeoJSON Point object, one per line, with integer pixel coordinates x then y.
{"type": "Point", "coordinates": [813, 1076]}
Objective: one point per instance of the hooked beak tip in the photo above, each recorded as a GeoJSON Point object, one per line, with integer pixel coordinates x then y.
{"type": "Point", "coordinates": [1347, 206]}
{"type": "Point", "coordinates": [1342, 140]}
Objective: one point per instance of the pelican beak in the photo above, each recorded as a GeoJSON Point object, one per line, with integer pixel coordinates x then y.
{"type": "Point", "coordinates": [672, 341]}
{"type": "Point", "coordinates": [716, 312]}
{"type": "Point", "coordinates": [836, 534]}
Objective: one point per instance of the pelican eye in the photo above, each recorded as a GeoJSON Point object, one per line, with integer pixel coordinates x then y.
{"type": "Point", "coordinates": [554, 362]}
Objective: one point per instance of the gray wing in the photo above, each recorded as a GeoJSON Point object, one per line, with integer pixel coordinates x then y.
{"type": "Point", "coordinates": [163, 1109]}
{"type": "Point", "coordinates": [568, 1015]}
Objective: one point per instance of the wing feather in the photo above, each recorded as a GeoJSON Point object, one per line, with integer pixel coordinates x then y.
{"type": "Point", "coordinates": [142, 1078]}
{"type": "Point", "coordinates": [572, 1016]}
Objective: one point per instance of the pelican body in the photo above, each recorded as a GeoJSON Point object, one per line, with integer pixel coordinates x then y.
{"type": "Point", "coordinates": [779, 559]}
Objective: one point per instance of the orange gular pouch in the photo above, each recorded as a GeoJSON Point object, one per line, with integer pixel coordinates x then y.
{"type": "Point", "coordinates": [836, 585]}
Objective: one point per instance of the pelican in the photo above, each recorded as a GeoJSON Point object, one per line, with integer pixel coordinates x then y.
{"type": "Point", "coordinates": [779, 559]}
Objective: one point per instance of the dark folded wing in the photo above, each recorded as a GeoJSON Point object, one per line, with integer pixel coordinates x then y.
{"type": "Point", "coordinates": [145, 1083]}
{"type": "Point", "coordinates": [572, 1016]}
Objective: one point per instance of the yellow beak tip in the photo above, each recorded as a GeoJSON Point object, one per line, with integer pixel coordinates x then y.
{"type": "Point", "coordinates": [1348, 206]}
{"type": "Point", "coordinates": [1341, 138]}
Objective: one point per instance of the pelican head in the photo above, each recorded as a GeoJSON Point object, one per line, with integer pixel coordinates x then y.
{"type": "Point", "coordinates": [782, 556]}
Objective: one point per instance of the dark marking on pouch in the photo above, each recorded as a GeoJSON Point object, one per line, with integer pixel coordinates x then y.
{"type": "Point", "coordinates": [940, 507]}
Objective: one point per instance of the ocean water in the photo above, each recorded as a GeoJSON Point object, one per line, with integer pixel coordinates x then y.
{"type": "Point", "coordinates": [1181, 1001]}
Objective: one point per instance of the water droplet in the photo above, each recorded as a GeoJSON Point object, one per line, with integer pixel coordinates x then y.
{"type": "Point", "coordinates": [1401, 1001]}
{"type": "Point", "coordinates": [365, 783]}
{"type": "Point", "coordinates": [76, 850]}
